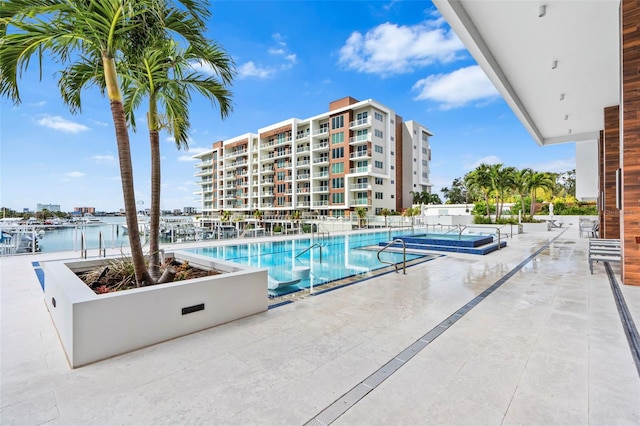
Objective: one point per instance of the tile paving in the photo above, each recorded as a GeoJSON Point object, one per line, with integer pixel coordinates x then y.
{"type": "Point", "coordinates": [546, 347]}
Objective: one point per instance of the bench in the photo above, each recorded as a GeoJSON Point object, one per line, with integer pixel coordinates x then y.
{"type": "Point", "coordinates": [603, 250]}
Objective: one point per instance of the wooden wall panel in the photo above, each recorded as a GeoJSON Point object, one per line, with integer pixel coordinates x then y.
{"type": "Point", "coordinates": [610, 226]}
{"type": "Point", "coordinates": [630, 143]}
{"type": "Point", "coordinates": [601, 178]}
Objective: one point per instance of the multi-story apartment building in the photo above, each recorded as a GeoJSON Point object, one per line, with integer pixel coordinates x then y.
{"type": "Point", "coordinates": [358, 154]}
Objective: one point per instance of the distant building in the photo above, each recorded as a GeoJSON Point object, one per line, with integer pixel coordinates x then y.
{"type": "Point", "coordinates": [189, 210]}
{"type": "Point", "coordinates": [84, 210]}
{"type": "Point", "coordinates": [50, 207]}
{"type": "Point", "coordinates": [177, 212]}
{"type": "Point", "coordinates": [359, 154]}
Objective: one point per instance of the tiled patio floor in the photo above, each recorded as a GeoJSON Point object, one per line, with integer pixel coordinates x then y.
{"type": "Point", "coordinates": [547, 347]}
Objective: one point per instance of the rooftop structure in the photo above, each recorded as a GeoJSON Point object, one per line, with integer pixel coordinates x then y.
{"type": "Point", "coordinates": [357, 154]}
{"type": "Point", "coordinates": [569, 71]}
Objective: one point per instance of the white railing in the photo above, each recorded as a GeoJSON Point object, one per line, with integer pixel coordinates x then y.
{"type": "Point", "coordinates": [361, 122]}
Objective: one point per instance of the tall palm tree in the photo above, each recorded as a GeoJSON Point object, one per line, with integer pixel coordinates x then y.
{"type": "Point", "coordinates": [74, 31]}
{"type": "Point", "coordinates": [503, 182]}
{"type": "Point", "coordinates": [385, 212]}
{"type": "Point", "coordinates": [521, 183]}
{"type": "Point", "coordinates": [166, 77]}
{"type": "Point", "coordinates": [538, 180]}
{"type": "Point", "coordinates": [480, 180]}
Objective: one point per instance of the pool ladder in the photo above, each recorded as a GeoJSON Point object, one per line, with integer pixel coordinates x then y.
{"type": "Point", "coordinates": [404, 255]}
{"type": "Point", "coordinates": [309, 248]}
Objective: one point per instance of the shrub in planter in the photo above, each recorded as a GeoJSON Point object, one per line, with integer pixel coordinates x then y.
{"type": "Point", "coordinates": [277, 228]}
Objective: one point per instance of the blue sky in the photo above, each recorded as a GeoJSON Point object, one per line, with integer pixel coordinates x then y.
{"type": "Point", "coordinates": [293, 58]}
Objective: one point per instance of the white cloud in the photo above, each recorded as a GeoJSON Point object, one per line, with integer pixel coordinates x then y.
{"type": "Point", "coordinates": [103, 158]}
{"type": "Point", "coordinates": [291, 58]}
{"type": "Point", "coordinates": [187, 158]}
{"type": "Point", "coordinates": [58, 123]}
{"type": "Point", "coordinates": [249, 69]}
{"type": "Point", "coordinates": [393, 49]}
{"type": "Point", "coordinates": [74, 174]}
{"type": "Point", "coordinates": [274, 51]}
{"type": "Point", "coordinates": [457, 88]}
{"type": "Point", "coordinates": [38, 104]}
{"type": "Point", "coordinates": [490, 159]}
{"type": "Point", "coordinates": [99, 123]}
{"type": "Point", "coordinates": [279, 39]}
{"type": "Point", "coordinates": [555, 166]}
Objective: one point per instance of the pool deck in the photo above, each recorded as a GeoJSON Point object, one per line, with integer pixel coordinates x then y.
{"type": "Point", "coordinates": [545, 347]}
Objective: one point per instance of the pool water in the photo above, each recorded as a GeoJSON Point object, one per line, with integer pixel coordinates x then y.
{"type": "Point", "coordinates": [342, 256]}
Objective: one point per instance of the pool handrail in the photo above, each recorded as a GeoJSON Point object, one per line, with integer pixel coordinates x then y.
{"type": "Point", "coordinates": [309, 248]}
{"type": "Point", "coordinates": [471, 226]}
{"type": "Point", "coordinates": [404, 255]}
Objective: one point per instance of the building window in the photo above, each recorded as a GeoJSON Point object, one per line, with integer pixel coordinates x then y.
{"type": "Point", "coordinates": [337, 198]}
{"type": "Point", "coordinates": [415, 160]}
{"type": "Point", "coordinates": [392, 167]}
{"type": "Point", "coordinates": [337, 183]}
{"type": "Point", "coordinates": [424, 150]}
{"type": "Point", "coordinates": [392, 196]}
{"type": "Point", "coordinates": [378, 164]}
{"type": "Point", "coordinates": [393, 182]}
{"type": "Point", "coordinates": [425, 137]}
{"type": "Point", "coordinates": [378, 116]}
{"type": "Point", "coordinates": [392, 121]}
{"type": "Point", "coordinates": [281, 187]}
{"type": "Point", "coordinates": [337, 152]}
{"type": "Point", "coordinates": [425, 175]}
{"type": "Point", "coordinates": [392, 153]}
{"type": "Point", "coordinates": [280, 175]}
{"type": "Point", "coordinates": [379, 181]}
{"type": "Point", "coordinates": [379, 149]}
{"type": "Point", "coordinates": [337, 168]}
{"type": "Point", "coordinates": [362, 116]}
{"type": "Point", "coordinates": [337, 137]}
{"type": "Point", "coordinates": [378, 195]}
{"type": "Point", "coordinates": [425, 163]}
{"type": "Point", "coordinates": [378, 133]}
{"type": "Point", "coordinates": [337, 122]}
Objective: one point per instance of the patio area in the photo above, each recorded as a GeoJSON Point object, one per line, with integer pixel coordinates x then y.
{"type": "Point", "coordinates": [544, 346]}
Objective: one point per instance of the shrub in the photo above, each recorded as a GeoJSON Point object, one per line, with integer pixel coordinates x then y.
{"type": "Point", "coordinates": [481, 220]}
{"type": "Point", "coordinates": [277, 228]}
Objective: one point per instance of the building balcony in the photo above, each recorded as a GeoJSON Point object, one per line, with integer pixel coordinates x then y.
{"type": "Point", "coordinates": [321, 131]}
{"type": "Point", "coordinates": [320, 189]}
{"type": "Point", "coordinates": [321, 174]}
{"type": "Point", "coordinates": [360, 202]}
{"type": "Point", "coordinates": [322, 203]}
{"type": "Point", "coordinates": [203, 173]}
{"type": "Point", "coordinates": [235, 153]}
{"type": "Point", "coordinates": [323, 146]}
{"type": "Point", "coordinates": [267, 169]}
{"type": "Point", "coordinates": [267, 193]}
{"type": "Point", "coordinates": [266, 205]}
{"type": "Point", "coordinates": [365, 169]}
{"type": "Point", "coordinates": [203, 164]}
{"type": "Point", "coordinates": [302, 149]}
{"type": "Point", "coordinates": [360, 140]}
{"type": "Point", "coordinates": [360, 186]}
{"type": "Point", "coordinates": [268, 182]}
{"type": "Point", "coordinates": [303, 136]}
{"type": "Point", "coordinates": [284, 153]}
{"type": "Point", "coordinates": [268, 156]}
{"type": "Point", "coordinates": [304, 176]}
{"type": "Point", "coordinates": [363, 122]}
{"type": "Point", "coordinates": [303, 163]}
{"type": "Point", "coordinates": [321, 160]}
{"type": "Point", "coordinates": [359, 155]}
{"type": "Point", "coordinates": [303, 203]}
{"type": "Point", "coordinates": [304, 190]}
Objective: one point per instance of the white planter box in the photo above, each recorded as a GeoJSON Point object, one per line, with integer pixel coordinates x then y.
{"type": "Point", "coordinates": [535, 227]}
{"type": "Point", "coordinates": [93, 327]}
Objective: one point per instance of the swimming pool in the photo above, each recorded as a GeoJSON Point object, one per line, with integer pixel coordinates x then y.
{"type": "Point", "coordinates": [290, 269]}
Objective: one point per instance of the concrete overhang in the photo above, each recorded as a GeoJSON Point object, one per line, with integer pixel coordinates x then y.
{"type": "Point", "coordinates": [556, 63]}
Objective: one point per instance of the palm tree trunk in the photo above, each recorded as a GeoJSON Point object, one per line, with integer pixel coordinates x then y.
{"type": "Point", "coordinates": [126, 170]}
{"type": "Point", "coordinates": [154, 220]}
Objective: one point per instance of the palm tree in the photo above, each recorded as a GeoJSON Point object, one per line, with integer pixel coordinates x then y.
{"type": "Point", "coordinates": [385, 212]}
{"type": "Point", "coordinates": [361, 212]}
{"type": "Point", "coordinates": [75, 32]}
{"type": "Point", "coordinates": [481, 181]}
{"type": "Point", "coordinates": [166, 77]}
{"type": "Point", "coordinates": [520, 184]}
{"type": "Point", "coordinates": [538, 180]}
{"type": "Point", "coordinates": [503, 182]}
